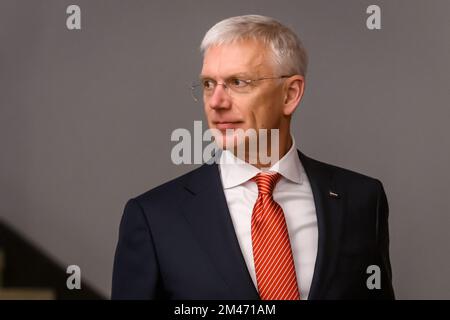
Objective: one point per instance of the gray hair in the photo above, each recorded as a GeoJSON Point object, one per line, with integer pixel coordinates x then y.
{"type": "Point", "coordinates": [288, 53]}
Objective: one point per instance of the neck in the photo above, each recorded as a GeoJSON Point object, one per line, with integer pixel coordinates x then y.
{"type": "Point", "coordinates": [269, 153]}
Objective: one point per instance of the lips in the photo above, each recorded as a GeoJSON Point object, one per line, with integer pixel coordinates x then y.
{"type": "Point", "coordinates": [222, 125]}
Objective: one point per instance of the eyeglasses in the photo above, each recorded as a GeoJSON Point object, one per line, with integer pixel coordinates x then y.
{"type": "Point", "coordinates": [206, 87]}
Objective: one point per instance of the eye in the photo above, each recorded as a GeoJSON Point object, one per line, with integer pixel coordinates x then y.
{"type": "Point", "coordinates": [237, 83]}
{"type": "Point", "coordinates": [208, 84]}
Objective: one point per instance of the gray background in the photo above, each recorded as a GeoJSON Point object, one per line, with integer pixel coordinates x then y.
{"type": "Point", "coordinates": [86, 116]}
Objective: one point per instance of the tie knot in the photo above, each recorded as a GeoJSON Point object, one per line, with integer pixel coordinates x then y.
{"type": "Point", "coordinates": [266, 182]}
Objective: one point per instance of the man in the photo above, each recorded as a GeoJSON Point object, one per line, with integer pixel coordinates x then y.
{"type": "Point", "coordinates": [294, 228]}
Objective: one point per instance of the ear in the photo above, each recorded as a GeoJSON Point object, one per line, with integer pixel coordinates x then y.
{"type": "Point", "coordinates": [293, 93]}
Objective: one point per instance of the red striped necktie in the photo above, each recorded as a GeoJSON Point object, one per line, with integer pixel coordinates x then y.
{"type": "Point", "coordinates": [274, 264]}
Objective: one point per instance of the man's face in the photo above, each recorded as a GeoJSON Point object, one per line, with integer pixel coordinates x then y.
{"type": "Point", "coordinates": [261, 108]}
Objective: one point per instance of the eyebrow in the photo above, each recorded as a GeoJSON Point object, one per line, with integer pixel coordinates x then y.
{"type": "Point", "coordinates": [234, 75]}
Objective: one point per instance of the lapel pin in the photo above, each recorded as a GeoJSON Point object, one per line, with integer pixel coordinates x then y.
{"type": "Point", "coordinates": [333, 194]}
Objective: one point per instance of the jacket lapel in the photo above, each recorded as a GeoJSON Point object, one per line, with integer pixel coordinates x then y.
{"type": "Point", "coordinates": [207, 213]}
{"type": "Point", "coordinates": [329, 201]}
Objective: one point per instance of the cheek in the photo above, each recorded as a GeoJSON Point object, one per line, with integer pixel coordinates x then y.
{"type": "Point", "coordinates": [250, 113]}
{"type": "Point", "coordinates": [265, 119]}
{"type": "Point", "coordinates": [208, 113]}
{"type": "Point", "coordinates": [261, 114]}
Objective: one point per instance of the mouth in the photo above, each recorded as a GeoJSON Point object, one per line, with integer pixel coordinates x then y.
{"type": "Point", "coordinates": [223, 125]}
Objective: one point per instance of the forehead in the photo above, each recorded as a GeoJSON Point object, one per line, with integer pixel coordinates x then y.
{"type": "Point", "coordinates": [239, 57]}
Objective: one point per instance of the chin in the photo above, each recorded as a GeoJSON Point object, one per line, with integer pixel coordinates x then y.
{"type": "Point", "coordinates": [228, 141]}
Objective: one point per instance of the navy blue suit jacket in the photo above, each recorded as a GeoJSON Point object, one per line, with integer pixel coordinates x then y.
{"type": "Point", "coordinates": [177, 240]}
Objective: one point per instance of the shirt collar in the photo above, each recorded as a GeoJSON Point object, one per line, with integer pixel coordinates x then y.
{"type": "Point", "coordinates": [235, 171]}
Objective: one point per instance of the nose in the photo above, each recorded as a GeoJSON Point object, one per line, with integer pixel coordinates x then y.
{"type": "Point", "coordinates": [220, 98]}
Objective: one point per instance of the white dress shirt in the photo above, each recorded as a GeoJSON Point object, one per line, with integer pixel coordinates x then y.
{"type": "Point", "coordinates": [292, 192]}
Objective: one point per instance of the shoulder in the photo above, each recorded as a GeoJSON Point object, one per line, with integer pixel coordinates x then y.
{"type": "Point", "coordinates": [344, 178]}
{"type": "Point", "coordinates": [166, 200]}
{"type": "Point", "coordinates": [179, 188]}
